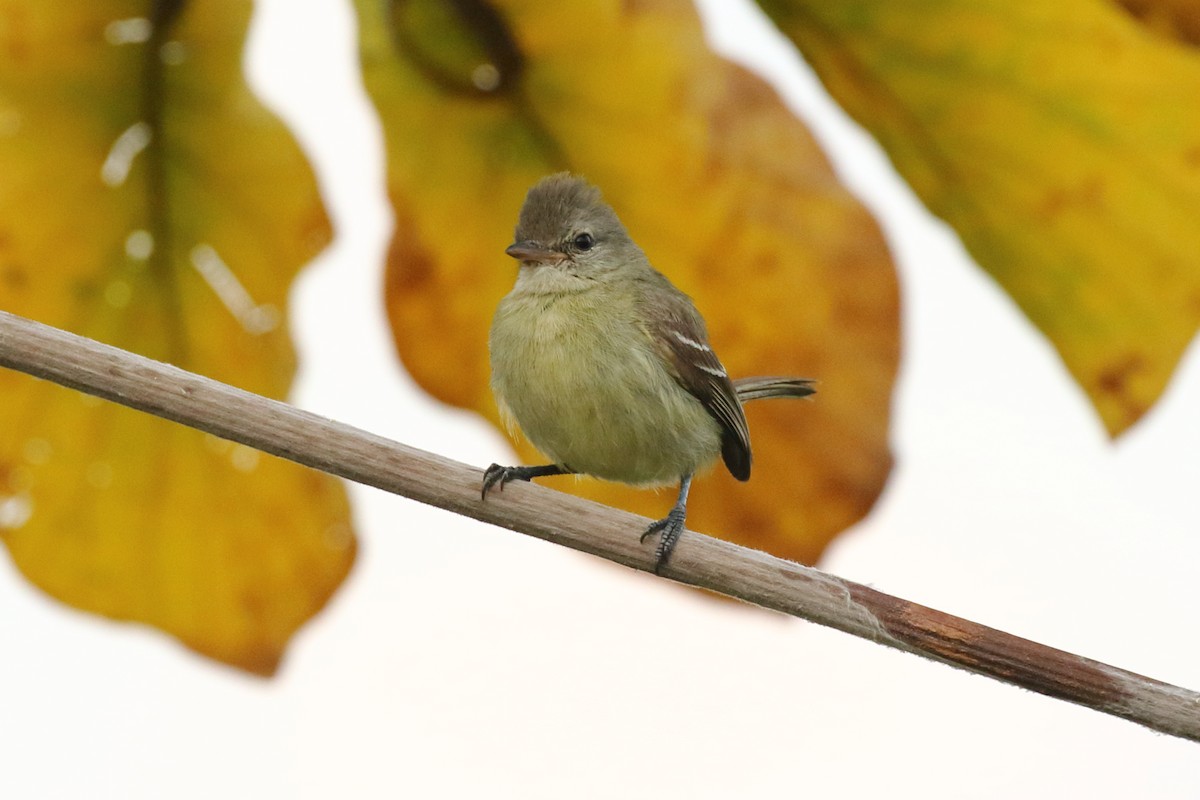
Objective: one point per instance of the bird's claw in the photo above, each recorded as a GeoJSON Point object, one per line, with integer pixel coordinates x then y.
{"type": "Point", "coordinates": [669, 529]}
{"type": "Point", "coordinates": [497, 475]}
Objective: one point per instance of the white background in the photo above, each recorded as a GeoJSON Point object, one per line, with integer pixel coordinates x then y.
{"type": "Point", "coordinates": [465, 661]}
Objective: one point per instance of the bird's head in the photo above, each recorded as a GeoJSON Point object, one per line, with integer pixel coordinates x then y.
{"type": "Point", "coordinates": [566, 225]}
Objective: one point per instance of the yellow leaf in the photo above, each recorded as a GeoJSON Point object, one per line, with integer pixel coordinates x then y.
{"type": "Point", "coordinates": [149, 201]}
{"type": "Point", "coordinates": [1061, 142]}
{"type": "Point", "coordinates": [719, 183]}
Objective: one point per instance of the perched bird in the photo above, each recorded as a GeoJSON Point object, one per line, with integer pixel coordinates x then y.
{"type": "Point", "coordinates": [605, 365]}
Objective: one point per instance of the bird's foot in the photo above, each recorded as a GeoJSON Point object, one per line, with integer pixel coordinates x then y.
{"type": "Point", "coordinates": [496, 475]}
{"type": "Point", "coordinates": [669, 529]}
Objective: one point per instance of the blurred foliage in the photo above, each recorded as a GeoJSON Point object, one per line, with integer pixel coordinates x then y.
{"type": "Point", "coordinates": [149, 201]}
{"type": "Point", "coordinates": [717, 180]}
{"type": "Point", "coordinates": [1171, 19]}
{"type": "Point", "coordinates": [1062, 142]}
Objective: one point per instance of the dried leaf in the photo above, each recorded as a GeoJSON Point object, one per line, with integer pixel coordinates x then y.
{"type": "Point", "coordinates": [1171, 19]}
{"type": "Point", "coordinates": [723, 188]}
{"type": "Point", "coordinates": [149, 201]}
{"type": "Point", "coordinates": [1061, 142]}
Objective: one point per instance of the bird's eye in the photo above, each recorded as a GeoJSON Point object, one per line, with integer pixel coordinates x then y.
{"type": "Point", "coordinates": [584, 241]}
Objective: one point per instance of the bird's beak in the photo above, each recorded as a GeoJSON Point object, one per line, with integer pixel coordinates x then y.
{"type": "Point", "coordinates": [527, 252]}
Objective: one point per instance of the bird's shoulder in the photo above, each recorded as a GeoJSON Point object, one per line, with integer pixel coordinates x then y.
{"type": "Point", "coordinates": [673, 320]}
{"type": "Point", "coordinates": [681, 336]}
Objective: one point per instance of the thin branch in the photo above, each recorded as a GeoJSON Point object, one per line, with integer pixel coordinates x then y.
{"type": "Point", "coordinates": [749, 575]}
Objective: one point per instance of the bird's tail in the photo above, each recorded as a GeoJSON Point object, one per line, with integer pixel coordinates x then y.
{"type": "Point", "coordinates": [772, 386]}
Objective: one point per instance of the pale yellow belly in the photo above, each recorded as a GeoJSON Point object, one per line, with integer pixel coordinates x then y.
{"type": "Point", "coordinates": [588, 392]}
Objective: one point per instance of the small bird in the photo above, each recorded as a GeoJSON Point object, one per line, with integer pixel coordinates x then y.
{"type": "Point", "coordinates": [605, 366]}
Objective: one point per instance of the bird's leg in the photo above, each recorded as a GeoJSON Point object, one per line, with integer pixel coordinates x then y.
{"type": "Point", "coordinates": [670, 527]}
{"type": "Point", "coordinates": [498, 475]}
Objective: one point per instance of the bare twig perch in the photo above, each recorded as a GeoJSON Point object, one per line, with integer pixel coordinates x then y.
{"type": "Point", "coordinates": [752, 576]}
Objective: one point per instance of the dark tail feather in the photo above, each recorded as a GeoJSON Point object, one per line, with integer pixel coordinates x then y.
{"type": "Point", "coordinates": [772, 386]}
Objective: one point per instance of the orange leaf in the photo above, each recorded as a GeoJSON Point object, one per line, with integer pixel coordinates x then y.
{"type": "Point", "coordinates": [1171, 19]}
{"type": "Point", "coordinates": [149, 201]}
{"type": "Point", "coordinates": [718, 182]}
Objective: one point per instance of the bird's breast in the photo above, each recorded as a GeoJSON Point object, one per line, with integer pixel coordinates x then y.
{"type": "Point", "coordinates": [583, 380]}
